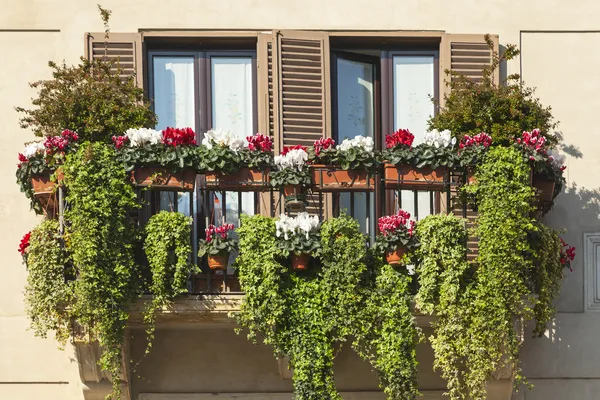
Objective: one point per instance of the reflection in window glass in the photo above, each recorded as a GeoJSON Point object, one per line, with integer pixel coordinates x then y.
{"type": "Point", "coordinates": [174, 91]}
{"type": "Point", "coordinates": [414, 81]}
{"type": "Point", "coordinates": [355, 105]}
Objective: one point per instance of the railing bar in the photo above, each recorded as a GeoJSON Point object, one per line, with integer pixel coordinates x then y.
{"type": "Point", "coordinates": [431, 205]}
{"type": "Point", "coordinates": [416, 203]}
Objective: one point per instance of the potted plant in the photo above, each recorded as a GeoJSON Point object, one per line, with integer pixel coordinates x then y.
{"type": "Point", "coordinates": [421, 167]}
{"type": "Point", "coordinates": [396, 236]}
{"type": "Point", "coordinates": [547, 166]}
{"type": "Point", "coordinates": [299, 237]}
{"type": "Point", "coordinates": [347, 166]}
{"type": "Point", "coordinates": [217, 245]}
{"type": "Point", "coordinates": [292, 175]}
{"type": "Point", "coordinates": [471, 151]}
{"type": "Point", "coordinates": [38, 171]}
{"type": "Point", "coordinates": [567, 254]}
{"type": "Point", "coordinates": [231, 163]}
{"type": "Point", "coordinates": [164, 160]}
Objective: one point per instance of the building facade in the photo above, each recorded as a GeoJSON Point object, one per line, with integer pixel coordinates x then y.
{"type": "Point", "coordinates": [210, 64]}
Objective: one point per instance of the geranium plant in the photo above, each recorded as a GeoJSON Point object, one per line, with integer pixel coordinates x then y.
{"type": "Point", "coordinates": [396, 236]}
{"type": "Point", "coordinates": [472, 149]}
{"type": "Point", "coordinates": [291, 167]}
{"type": "Point", "coordinates": [356, 153]}
{"type": "Point", "coordinates": [299, 235]}
{"type": "Point", "coordinates": [173, 148]}
{"type": "Point", "coordinates": [41, 157]}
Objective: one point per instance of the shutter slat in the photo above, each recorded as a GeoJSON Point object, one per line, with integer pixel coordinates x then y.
{"type": "Point", "coordinates": [122, 49]}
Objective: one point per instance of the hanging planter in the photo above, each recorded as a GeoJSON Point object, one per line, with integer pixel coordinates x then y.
{"type": "Point", "coordinates": [45, 191]}
{"type": "Point", "coordinates": [244, 179]}
{"type": "Point", "coordinates": [295, 197]}
{"type": "Point", "coordinates": [544, 188]}
{"type": "Point", "coordinates": [394, 257]}
{"type": "Point", "coordinates": [218, 262]}
{"type": "Point", "coordinates": [162, 178]}
{"type": "Point", "coordinates": [331, 178]}
{"type": "Point", "coordinates": [300, 262]}
{"type": "Point", "coordinates": [409, 177]}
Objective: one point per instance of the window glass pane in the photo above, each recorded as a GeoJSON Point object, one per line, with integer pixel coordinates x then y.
{"type": "Point", "coordinates": [355, 109]}
{"type": "Point", "coordinates": [167, 201]}
{"type": "Point", "coordinates": [174, 91]}
{"type": "Point", "coordinates": [413, 90]}
{"type": "Point", "coordinates": [232, 109]}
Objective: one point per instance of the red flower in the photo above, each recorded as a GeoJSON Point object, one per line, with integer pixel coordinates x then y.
{"type": "Point", "coordinates": [24, 243]}
{"type": "Point", "coordinates": [400, 222]}
{"type": "Point", "coordinates": [221, 231]}
{"type": "Point", "coordinates": [179, 137]}
{"type": "Point", "coordinates": [402, 137]}
{"type": "Point", "coordinates": [259, 142]}
{"type": "Point", "coordinates": [323, 144]}
{"type": "Point", "coordinates": [534, 140]}
{"type": "Point", "coordinates": [119, 141]}
{"type": "Point", "coordinates": [481, 139]}
{"type": "Point", "coordinates": [69, 135]}
{"type": "Point", "coordinates": [287, 149]}
{"type": "Point", "coordinates": [567, 254]}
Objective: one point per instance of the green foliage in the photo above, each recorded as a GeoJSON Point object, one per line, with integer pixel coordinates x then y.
{"type": "Point", "coordinates": [256, 158]}
{"type": "Point", "coordinates": [219, 158]}
{"type": "Point", "coordinates": [304, 316]}
{"type": "Point", "coordinates": [353, 158]}
{"type": "Point", "coordinates": [168, 250]}
{"type": "Point", "coordinates": [291, 176]}
{"type": "Point", "coordinates": [48, 292]}
{"type": "Point", "coordinates": [100, 237]}
{"type": "Point", "coordinates": [34, 166]}
{"type": "Point", "coordinates": [90, 99]}
{"type": "Point", "coordinates": [176, 158]}
{"type": "Point", "coordinates": [503, 111]}
{"type": "Point", "coordinates": [385, 332]}
{"type": "Point", "coordinates": [547, 274]}
{"type": "Point", "coordinates": [422, 156]}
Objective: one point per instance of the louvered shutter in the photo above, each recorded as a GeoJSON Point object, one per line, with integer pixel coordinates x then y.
{"type": "Point", "coordinates": [125, 49]}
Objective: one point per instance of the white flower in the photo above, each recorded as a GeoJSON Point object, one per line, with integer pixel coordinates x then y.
{"type": "Point", "coordinates": [293, 159]}
{"type": "Point", "coordinates": [223, 138]}
{"type": "Point", "coordinates": [143, 137]}
{"type": "Point", "coordinates": [557, 158]}
{"type": "Point", "coordinates": [440, 139]}
{"type": "Point", "coordinates": [302, 224]}
{"type": "Point", "coordinates": [32, 149]}
{"type": "Point", "coordinates": [366, 143]}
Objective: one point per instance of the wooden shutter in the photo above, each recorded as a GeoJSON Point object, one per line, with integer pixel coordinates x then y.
{"type": "Point", "coordinates": [123, 48]}
{"type": "Point", "coordinates": [465, 54]}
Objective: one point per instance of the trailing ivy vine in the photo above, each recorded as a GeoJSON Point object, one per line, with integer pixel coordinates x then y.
{"type": "Point", "coordinates": [49, 291]}
{"type": "Point", "coordinates": [168, 249]}
{"type": "Point", "coordinates": [100, 237]}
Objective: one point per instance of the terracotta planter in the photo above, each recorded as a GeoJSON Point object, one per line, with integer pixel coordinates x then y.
{"type": "Point", "coordinates": [244, 179]}
{"type": "Point", "coordinates": [46, 192]}
{"type": "Point", "coordinates": [544, 187]}
{"type": "Point", "coordinates": [300, 262]}
{"type": "Point", "coordinates": [218, 262]}
{"type": "Point", "coordinates": [394, 257]}
{"type": "Point", "coordinates": [163, 179]}
{"type": "Point", "coordinates": [408, 177]}
{"type": "Point", "coordinates": [295, 197]}
{"type": "Point", "coordinates": [331, 178]}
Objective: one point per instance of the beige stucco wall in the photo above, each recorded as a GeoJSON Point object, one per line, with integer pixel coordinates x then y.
{"type": "Point", "coordinates": [562, 65]}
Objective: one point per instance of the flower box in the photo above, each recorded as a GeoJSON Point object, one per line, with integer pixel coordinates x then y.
{"type": "Point", "coordinates": [409, 177]}
{"type": "Point", "coordinates": [161, 178]}
{"type": "Point", "coordinates": [244, 179]}
{"type": "Point", "coordinates": [331, 178]}
{"type": "Point", "coordinates": [45, 191]}
{"type": "Point", "coordinates": [544, 187]}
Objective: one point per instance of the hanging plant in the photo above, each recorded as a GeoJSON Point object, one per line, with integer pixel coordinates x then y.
{"type": "Point", "coordinates": [217, 246]}
{"type": "Point", "coordinates": [299, 237]}
{"type": "Point", "coordinates": [396, 237]}
{"type": "Point", "coordinates": [49, 289]}
{"type": "Point", "coordinates": [168, 250]}
{"type": "Point", "coordinates": [100, 236]}
{"type": "Point", "coordinates": [292, 174]}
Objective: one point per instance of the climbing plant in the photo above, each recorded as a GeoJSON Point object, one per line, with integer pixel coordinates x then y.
{"type": "Point", "coordinates": [100, 237]}
{"type": "Point", "coordinates": [168, 250]}
{"type": "Point", "coordinates": [49, 289]}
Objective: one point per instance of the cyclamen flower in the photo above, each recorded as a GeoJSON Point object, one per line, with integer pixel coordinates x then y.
{"type": "Point", "coordinates": [557, 159]}
{"type": "Point", "coordinates": [440, 139]}
{"type": "Point", "coordinates": [303, 224]}
{"type": "Point", "coordinates": [138, 137]}
{"type": "Point", "coordinates": [323, 144]}
{"type": "Point", "coordinates": [295, 157]}
{"type": "Point", "coordinates": [259, 142]}
{"type": "Point", "coordinates": [222, 138]}
{"type": "Point", "coordinates": [402, 137]}
{"type": "Point", "coordinates": [534, 140]}
{"type": "Point", "coordinates": [120, 141]}
{"type": "Point", "coordinates": [481, 139]}
{"type": "Point", "coordinates": [179, 137]}
{"type": "Point", "coordinates": [24, 245]}
{"type": "Point", "coordinates": [366, 143]}
{"type": "Point", "coordinates": [221, 231]}
{"type": "Point", "coordinates": [32, 149]}
{"type": "Point", "coordinates": [392, 224]}
{"type": "Point", "coordinates": [567, 254]}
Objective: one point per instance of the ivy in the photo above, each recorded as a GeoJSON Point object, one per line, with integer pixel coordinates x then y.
{"type": "Point", "coordinates": [48, 292]}
{"type": "Point", "coordinates": [100, 237]}
{"type": "Point", "coordinates": [168, 250]}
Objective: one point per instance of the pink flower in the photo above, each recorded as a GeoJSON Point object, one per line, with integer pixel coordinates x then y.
{"type": "Point", "coordinates": [392, 224]}
{"type": "Point", "coordinates": [120, 141]}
